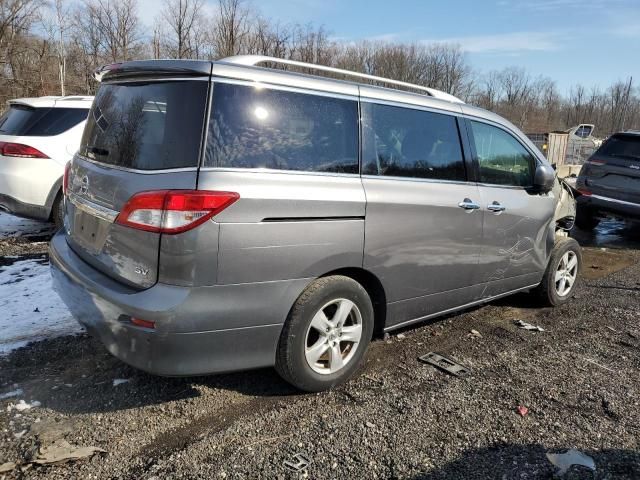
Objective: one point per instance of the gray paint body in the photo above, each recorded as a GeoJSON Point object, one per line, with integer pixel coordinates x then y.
{"type": "Point", "coordinates": [220, 293]}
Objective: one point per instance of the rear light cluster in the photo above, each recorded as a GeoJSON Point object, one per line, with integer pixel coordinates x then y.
{"type": "Point", "coordinates": [596, 161]}
{"type": "Point", "coordinates": [65, 178]}
{"type": "Point", "coordinates": [173, 211]}
{"type": "Point", "coordinates": [10, 149]}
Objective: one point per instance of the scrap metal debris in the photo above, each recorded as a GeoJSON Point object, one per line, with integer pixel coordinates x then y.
{"type": "Point", "coordinates": [564, 461]}
{"type": "Point", "coordinates": [299, 462]}
{"type": "Point", "coordinates": [445, 364]}
{"type": "Point", "coordinates": [528, 326]}
{"type": "Point", "coordinates": [62, 451]}
{"type": "Point", "coordinates": [474, 334]}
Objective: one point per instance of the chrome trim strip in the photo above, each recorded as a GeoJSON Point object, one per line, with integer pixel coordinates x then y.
{"type": "Point", "coordinates": [92, 208]}
{"type": "Point", "coordinates": [277, 171]}
{"type": "Point", "coordinates": [134, 170]}
{"type": "Point", "coordinates": [614, 200]}
{"type": "Point", "coordinates": [418, 180]}
{"type": "Point", "coordinates": [461, 307]}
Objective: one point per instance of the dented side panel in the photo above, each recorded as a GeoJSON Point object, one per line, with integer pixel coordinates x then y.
{"type": "Point", "coordinates": [516, 243]}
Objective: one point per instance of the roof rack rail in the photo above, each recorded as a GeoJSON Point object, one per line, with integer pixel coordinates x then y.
{"type": "Point", "coordinates": [254, 60]}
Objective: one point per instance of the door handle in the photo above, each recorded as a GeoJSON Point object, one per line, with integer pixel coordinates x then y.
{"type": "Point", "coordinates": [495, 207]}
{"type": "Point", "coordinates": [469, 205]}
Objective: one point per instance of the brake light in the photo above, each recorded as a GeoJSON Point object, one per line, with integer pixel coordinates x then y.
{"type": "Point", "coordinates": [594, 161]}
{"type": "Point", "coordinates": [10, 149]}
{"type": "Point", "coordinates": [143, 323]}
{"type": "Point", "coordinates": [65, 178]}
{"type": "Point", "coordinates": [584, 191]}
{"type": "Point", "coordinates": [173, 211]}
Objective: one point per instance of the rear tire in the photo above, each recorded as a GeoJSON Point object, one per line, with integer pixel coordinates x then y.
{"type": "Point", "coordinates": [586, 219]}
{"type": "Point", "coordinates": [57, 211]}
{"type": "Point", "coordinates": [562, 275]}
{"type": "Point", "coordinates": [326, 334]}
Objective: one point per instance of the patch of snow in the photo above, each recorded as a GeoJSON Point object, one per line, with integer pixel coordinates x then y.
{"type": "Point", "coordinates": [21, 406]}
{"type": "Point", "coordinates": [120, 381]}
{"type": "Point", "coordinates": [12, 226]}
{"type": "Point", "coordinates": [31, 310]}
{"type": "Point", "coordinates": [13, 393]}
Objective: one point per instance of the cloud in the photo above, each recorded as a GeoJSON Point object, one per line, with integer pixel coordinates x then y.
{"type": "Point", "coordinates": [514, 42]}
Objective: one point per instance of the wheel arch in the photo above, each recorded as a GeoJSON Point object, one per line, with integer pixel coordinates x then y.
{"type": "Point", "coordinates": [375, 290]}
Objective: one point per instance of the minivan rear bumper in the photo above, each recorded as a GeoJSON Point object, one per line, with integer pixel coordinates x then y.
{"type": "Point", "coordinates": [610, 205]}
{"type": "Point", "coordinates": [199, 330]}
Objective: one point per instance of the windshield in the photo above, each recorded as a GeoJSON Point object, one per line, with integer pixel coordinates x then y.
{"type": "Point", "coordinates": [146, 125]}
{"type": "Point", "coordinates": [625, 146]}
{"type": "Point", "coordinates": [25, 121]}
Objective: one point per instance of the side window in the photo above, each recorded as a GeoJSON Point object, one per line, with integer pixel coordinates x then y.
{"type": "Point", "coordinates": [261, 128]}
{"type": "Point", "coordinates": [502, 159]}
{"type": "Point", "coordinates": [404, 142]}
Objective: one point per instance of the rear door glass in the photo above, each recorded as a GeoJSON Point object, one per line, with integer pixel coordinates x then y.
{"type": "Point", "coordinates": [404, 142]}
{"type": "Point", "coordinates": [25, 121]}
{"type": "Point", "coordinates": [262, 128]}
{"type": "Point", "coordinates": [146, 125]}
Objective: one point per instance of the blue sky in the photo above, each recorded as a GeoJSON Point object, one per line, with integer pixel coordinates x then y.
{"type": "Point", "coordinates": [593, 42]}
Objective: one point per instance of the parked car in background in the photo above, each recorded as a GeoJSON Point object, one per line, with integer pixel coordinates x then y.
{"type": "Point", "coordinates": [609, 182]}
{"type": "Point", "coordinates": [223, 216]}
{"type": "Point", "coordinates": [38, 136]}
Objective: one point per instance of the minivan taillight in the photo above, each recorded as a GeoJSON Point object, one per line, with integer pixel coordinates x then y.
{"type": "Point", "coordinates": [10, 149]}
{"type": "Point", "coordinates": [596, 161]}
{"type": "Point", "coordinates": [65, 178]}
{"type": "Point", "coordinates": [173, 211]}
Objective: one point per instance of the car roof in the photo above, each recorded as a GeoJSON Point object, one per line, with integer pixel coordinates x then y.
{"type": "Point", "coordinates": [69, 101]}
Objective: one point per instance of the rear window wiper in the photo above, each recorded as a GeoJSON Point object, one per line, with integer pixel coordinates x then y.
{"type": "Point", "coordinates": [103, 152]}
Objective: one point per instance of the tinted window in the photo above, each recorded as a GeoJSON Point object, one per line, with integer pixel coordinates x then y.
{"type": "Point", "coordinates": [145, 125]}
{"type": "Point", "coordinates": [623, 146]}
{"type": "Point", "coordinates": [502, 159]}
{"type": "Point", "coordinates": [43, 122]}
{"type": "Point", "coordinates": [403, 142]}
{"type": "Point", "coordinates": [260, 128]}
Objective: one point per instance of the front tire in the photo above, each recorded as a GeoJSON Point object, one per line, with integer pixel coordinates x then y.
{"type": "Point", "coordinates": [562, 274]}
{"type": "Point", "coordinates": [326, 334]}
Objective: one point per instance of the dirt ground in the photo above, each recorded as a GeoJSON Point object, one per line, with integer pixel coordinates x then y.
{"type": "Point", "coordinates": [399, 418]}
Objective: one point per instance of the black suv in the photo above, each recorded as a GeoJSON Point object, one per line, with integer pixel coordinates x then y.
{"type": "Point", "coordinates": [609, 181]}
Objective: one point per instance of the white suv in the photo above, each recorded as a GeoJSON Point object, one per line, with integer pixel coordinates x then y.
{"type": "Point", "coordinates": [38, 136]}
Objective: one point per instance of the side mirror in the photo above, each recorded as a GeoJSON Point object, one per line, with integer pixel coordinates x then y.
{"type": "Point", "coordinates": [544, 178]}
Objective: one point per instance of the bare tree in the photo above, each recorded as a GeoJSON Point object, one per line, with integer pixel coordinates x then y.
{"type": "Point", "coordinates": [230, 28]}
{"type": "Point", "coordinates": [181, 17]}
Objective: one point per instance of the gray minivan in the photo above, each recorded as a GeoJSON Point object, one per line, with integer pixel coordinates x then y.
{"type": "Point", "coordinates": [223, 216]}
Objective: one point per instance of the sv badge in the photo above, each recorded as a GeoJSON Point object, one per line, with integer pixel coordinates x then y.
{"type": "Point", "coordinates": [142, 271]}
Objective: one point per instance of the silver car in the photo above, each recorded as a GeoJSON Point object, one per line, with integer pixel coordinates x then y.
{"type": "Point", "coordinates": [223, 216]}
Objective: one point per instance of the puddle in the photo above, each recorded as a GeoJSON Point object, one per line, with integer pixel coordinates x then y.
{"type": "Point", "coordinates": [610, 233]}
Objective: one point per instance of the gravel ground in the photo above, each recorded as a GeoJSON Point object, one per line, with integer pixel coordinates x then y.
{"type": "Point", "coordinates": [399, 419]}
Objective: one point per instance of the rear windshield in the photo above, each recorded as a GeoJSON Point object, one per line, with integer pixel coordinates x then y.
{"type": "Point", "coordinates": [146, 125]}
{"type": "Point", "coordinates": [622, 146]}
{"type": "Point", "coordinates": [25, 121]}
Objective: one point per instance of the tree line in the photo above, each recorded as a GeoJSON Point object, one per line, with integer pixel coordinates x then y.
{"type": "Point", "coordinates": [53, 47]}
